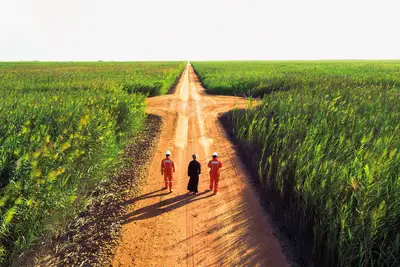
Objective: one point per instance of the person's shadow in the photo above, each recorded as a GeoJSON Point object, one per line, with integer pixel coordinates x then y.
{"type": "Point", "coordinates": [148, 195]}
{"type": "Point", "coordinates": [162, 206]}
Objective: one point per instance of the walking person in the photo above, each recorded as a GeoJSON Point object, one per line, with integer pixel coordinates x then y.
{"type": "Point", "coordinates": [167, 168]}
{"type": "Point", "coordinates": [194, 171]}
{"type": "Point", "coordinates": [215, 165]}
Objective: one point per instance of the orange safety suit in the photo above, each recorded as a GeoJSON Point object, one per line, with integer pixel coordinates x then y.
{"type": "Point", "coordinates": [167, 167]}
{"type": "Point", "coordinates": [215, 165]}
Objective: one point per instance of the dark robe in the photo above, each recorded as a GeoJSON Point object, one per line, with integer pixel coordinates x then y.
{"type": "Point", "coordinates": [194, 170]}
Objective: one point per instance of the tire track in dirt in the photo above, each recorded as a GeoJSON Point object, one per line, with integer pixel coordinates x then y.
{"type": "Point", "coordinates": [180, 229]}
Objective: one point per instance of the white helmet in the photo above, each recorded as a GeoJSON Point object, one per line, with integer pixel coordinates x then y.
{"type": "Point", "coordinates": [168, 153]}
{"type": "Point", "coordinates": [215, 154]}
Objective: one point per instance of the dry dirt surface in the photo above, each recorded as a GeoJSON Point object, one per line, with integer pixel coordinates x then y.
{"type": "Point", "coordinates": [181, 229]}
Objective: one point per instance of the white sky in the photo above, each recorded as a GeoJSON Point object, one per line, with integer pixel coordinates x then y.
{"type": "Point", "coordinates": [198, 30]}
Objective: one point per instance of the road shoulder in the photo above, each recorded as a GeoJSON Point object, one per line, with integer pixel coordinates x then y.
{"type": "Point", "coordinates": [91, 237]}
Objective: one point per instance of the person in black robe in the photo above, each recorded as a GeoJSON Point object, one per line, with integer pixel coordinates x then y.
{"type": "Point", "coordinates": [194, 170]}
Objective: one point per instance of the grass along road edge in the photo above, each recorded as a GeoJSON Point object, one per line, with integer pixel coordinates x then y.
{"type": "Point", "coordinates": [91, 236]}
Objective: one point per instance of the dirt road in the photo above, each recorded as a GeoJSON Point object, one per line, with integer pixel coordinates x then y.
{"type": "Point", "coordinates": [180, 229]}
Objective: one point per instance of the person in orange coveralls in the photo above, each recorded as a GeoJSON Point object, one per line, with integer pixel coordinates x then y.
{"type": "Point", "coordinates": [167, 167]}
{"type": "Point", "coordinates": [215, 165]}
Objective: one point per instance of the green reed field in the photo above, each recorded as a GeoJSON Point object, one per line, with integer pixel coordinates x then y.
{"type": "Point", "coordinates": [257, 78]}
{"type": "Point", "coordinates": [325, 141]}
{"type": "Point", "coordinates": [62, 128]}
{"type": "Point", "coordinates": [153, 78]}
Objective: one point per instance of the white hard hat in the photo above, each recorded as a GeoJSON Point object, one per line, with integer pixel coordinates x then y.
{"type": "Point", "coordinates": [215, 154]}
{"type": "Point", "coordinates": [167, 152]}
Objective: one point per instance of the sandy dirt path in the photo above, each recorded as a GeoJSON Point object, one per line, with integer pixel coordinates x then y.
{"type": "Point", "coordinates": [181, 229]}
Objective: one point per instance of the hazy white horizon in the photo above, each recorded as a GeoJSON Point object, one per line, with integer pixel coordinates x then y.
{"type": "Point", "coordinates": [123, 30]}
